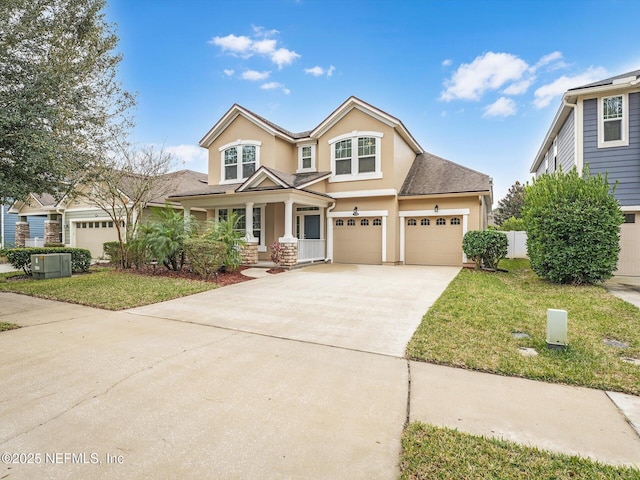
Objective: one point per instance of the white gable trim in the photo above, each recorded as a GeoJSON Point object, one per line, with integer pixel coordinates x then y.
{"type": "Point", "coordinates": [382, 192]}
{"type": "Point", "coordinates": [319, 179]}
{"type": "Point", "coordinates": [255, 179]}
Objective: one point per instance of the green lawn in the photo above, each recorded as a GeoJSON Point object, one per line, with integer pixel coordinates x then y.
{"type": "Point", "coordinates": [472, 323]}
{"type": "Point", "coordinates": [430, 452]}
{"type": "Point", "coordinates": [107, 288]}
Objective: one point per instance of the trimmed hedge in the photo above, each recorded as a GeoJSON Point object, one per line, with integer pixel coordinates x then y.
{"type": "Point", "coordinates": [21, 257]}
{"type": "Point", "coordinates": [205, 256]}
{"type": "Point", "coordinates": [485, 247]}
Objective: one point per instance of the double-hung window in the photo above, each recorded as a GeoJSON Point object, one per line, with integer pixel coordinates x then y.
{"type": "Point", "coordinates": [306, 158]}
{"type": "Point", "coordinates": [613, 128]}
{"type": "Point", "coordinates": [239, 161]}
{"type": "Point", "coordinates": [356, 156]}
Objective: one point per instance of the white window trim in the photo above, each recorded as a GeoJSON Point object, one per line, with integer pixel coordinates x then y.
{"type": "Point", "coordinates": [624, 141]}
{"type": "Point", "coordinates": [353, 136]}
{"type": "Point", "coordinates": [262, 246]}
{"type": "Point", "coordinates": [301, 169]}
{"type": "Point", "coordinates": [236, 144]}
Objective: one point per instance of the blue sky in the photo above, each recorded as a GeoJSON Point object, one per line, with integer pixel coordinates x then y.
{"type": "Point", "coordinates": [476, 82]}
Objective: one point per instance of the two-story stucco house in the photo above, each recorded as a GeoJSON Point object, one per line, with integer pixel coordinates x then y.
{"type": "Point", "coordinates": [358, 188]}
{"type": "Point", "coordinates": [599, 125]}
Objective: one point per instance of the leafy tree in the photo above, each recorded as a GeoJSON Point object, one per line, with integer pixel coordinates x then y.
{"type": "Point", "coordinates": [511, 204]}
{"type": "Point", "coordinates": [228, 232]}
{"type": "Point", "coordinates": [123, 186]}
{"type": "Point", "coordinates": [60, 100]}
{"type": "Point", "coordinates": [573, 224]}
{"type": "Point", "coordinates": [164, 236]}
{"type": "Point", "coordinates": [485, 247]}
{"type": "Point", "coordinates": [513, 224]}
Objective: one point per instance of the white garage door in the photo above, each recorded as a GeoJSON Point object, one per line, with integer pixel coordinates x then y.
{"type": "Point", "coordinates": [357, 240]}
{"type": "Point", "coordinates": [433, 241]}
{"type": "Point", "coordinates": [91, 235]}
{"type": "Point", "coordinates": [629, 258]}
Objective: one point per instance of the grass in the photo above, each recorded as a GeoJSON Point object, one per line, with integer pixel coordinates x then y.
{"type": "Point", "coordinates": [8, 326]}
{"type": "Point", "coordinates": [472, 323]}
{"type": "Point", "coordinates": [106, 288]}
{"type": "Point", "coordinates": [430, 452]}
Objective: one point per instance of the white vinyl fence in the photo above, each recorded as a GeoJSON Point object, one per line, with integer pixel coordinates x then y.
{"type": "Point", "coordinates": [34, 242]}
{"type": "Point", "coordinates": [517, 244]}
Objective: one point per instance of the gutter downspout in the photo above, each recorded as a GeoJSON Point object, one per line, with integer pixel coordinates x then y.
{"type": "Point", "coordinates": [327, 259]}
{"type": "Point", "coordinates": [578, 163]}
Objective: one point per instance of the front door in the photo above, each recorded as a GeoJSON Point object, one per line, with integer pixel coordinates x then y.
{"type": "Point", "coordinates": [312, 227]}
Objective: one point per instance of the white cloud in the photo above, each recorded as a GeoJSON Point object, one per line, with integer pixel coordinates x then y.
{"type": "Point", "coordinates": [547, 59]}
{"type": "Point", "coordinates": [228, 72]}
{"type": "Point", "coordinates": [260, 43]}
{"type": "Point", "coordinates": [264, 47]}
{"type": "Point", "coordinates": [447, 63]}
{"type": "Point", "coordinates": [189, 154]}
{"type": "Point", "coordinates": [315, 71]}
{"type": "Point", "coordinates": [487, 72]}
{"type": "Point", "coordinates": [318, 71]}
{"type": "Point", "coordinates": [283, 56]}
{"type": "Point", "coordinates": [232, 43]}
{"type": "Point", "coordinates": [503, 107]}
{"type": "Point", "coordinates": [546, 93]}
{"type": "Point", "coordinates": [275, 86]}
{"type": "Point", "coordinates": [254, 75]}
{"type": "Point", "coordinates": [520, 87]}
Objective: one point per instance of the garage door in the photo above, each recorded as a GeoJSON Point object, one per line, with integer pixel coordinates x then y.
{"type": "Point", "coordinates": [629, 258]}
{"type": "Point", "coordinates": [357, 240]}
{"type": "Point", "coordinates": [433, 241]}
{"type": "Point", "coordinates": [91, 235]}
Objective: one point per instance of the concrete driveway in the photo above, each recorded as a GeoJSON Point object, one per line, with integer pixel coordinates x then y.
{"type": "Point", "coordinates": [367, 308]}
{"type": "Point", "coordinates": [87, 394]}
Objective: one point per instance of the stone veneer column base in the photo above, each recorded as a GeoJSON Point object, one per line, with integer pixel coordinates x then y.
{"type": "Point", "coordinates": [249, 253]}
{"type": "Point", "coordinates": [22, 233]}
{"type": "Point", "coordinates": [289, 253]}
{"type": "Point", "coordinates": [51, 231]}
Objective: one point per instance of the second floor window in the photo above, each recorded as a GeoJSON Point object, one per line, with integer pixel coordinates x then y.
{"type": "Point", "coordinates": [612, 118]}
{"type": "Point", "coordinates": [356, 157]}
{"type": "Point", "coordinates": [239, 161]}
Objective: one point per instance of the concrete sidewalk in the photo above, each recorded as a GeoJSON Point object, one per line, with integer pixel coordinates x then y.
{"type": "Point", "coordinates": [626, 288]}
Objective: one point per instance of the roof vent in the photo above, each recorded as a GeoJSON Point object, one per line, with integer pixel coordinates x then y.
{"type": "Point", "coordinates": [619, 81]}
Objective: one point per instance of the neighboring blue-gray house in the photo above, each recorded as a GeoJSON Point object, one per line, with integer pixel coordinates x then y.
{"type": "Point", "coordinates": [599, 125]}
{"type": "Point", "coordinates": [8, 227]}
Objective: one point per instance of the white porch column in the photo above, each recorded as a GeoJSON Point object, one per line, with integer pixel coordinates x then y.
{"type": "Point", "coordinates": [288, 221]}
{"type": "Point", "coordinates": [248, 221]}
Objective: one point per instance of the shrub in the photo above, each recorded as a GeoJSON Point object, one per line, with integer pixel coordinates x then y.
{"type": "Point", "coordinates": [21, 257]}
{"type": "Point", "coordinates": [228, 232]}
{"type": "Point", "coordinates": [205, 256]}
{"type": "Point", "coordinates": [485, 247]}
{"type": "Point", "coordinates": [572, 224]}
{"type": "Point", "coordinates": [276, 252]}
{"type": "Point", "coordinates": [54, 244]}
{"type": "Point", "coordinates": [112, 250]}
{"type": "Point", "coordinates": [513, 224]}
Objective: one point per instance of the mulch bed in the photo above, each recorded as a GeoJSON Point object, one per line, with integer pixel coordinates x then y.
{"type": "Point", "coordinates": [226, 278]}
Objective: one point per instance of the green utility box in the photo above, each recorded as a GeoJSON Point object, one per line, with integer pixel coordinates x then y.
{"type": "Point", "coordinates": [51, 265]}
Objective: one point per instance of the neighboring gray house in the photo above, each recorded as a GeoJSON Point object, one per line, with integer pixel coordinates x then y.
{"type": "Point", "coordinates": [8, 227]}
{"type": "Point", "coordinates": [599, 125]}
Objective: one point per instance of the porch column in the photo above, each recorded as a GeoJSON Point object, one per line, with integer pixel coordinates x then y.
{"type": "Point", "coordinates": [250, 250]}
{"type": "Point", "coordinates": [248, 221]}
{"type": "Point", "coordinates": [288, 222]}
{"type": "Point", "coordinates": [289, 243]}
{"type": "Point", "coordinates": [22, 231]}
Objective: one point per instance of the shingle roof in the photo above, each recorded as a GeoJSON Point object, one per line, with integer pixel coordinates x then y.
{"type": "Point", "coordinates": [608, 81]}
{"type": "Point", "coordinates": [46, 200]}
{"type": "Point", "coordinates": [205, 189]}
{"type": "Point", "coordinates": [182, 180]}
{"type": "Point", "coordinates": [431, 175]}
{"type": "Point", "coordinates": [294, 135]}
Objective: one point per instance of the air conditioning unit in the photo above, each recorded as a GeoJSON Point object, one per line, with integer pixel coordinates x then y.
{"type": "Point", "coordinates": [50, 265]}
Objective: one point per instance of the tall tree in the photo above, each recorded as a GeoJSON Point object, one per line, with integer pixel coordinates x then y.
{"type": "Point", "coordinates": [511, 205]}
{"type": "Point", "coordinates": [60, 98]}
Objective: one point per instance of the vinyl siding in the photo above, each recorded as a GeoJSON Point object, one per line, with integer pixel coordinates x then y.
{"type": "Point", "coordinates": [566, 144]}
{"type": "Point", "coordinates": [36, 227]}
{"type": "Point", "coordinates": [621, 163]}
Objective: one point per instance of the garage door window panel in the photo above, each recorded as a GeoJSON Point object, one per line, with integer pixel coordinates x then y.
{"type": "Point", "coordinates": [425, 222]}
{"type": "Point", "coordinates": [411, 222]}
{"type": "Point", "coordinates": [441, 221]}
{"type": "Point", "coordinates": [455, 221]}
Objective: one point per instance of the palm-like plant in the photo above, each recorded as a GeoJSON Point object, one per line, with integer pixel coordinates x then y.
{"type": "Point", "coordinates": [227, 232]}
{"type": "Point", "coordinates": [164, 235]}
